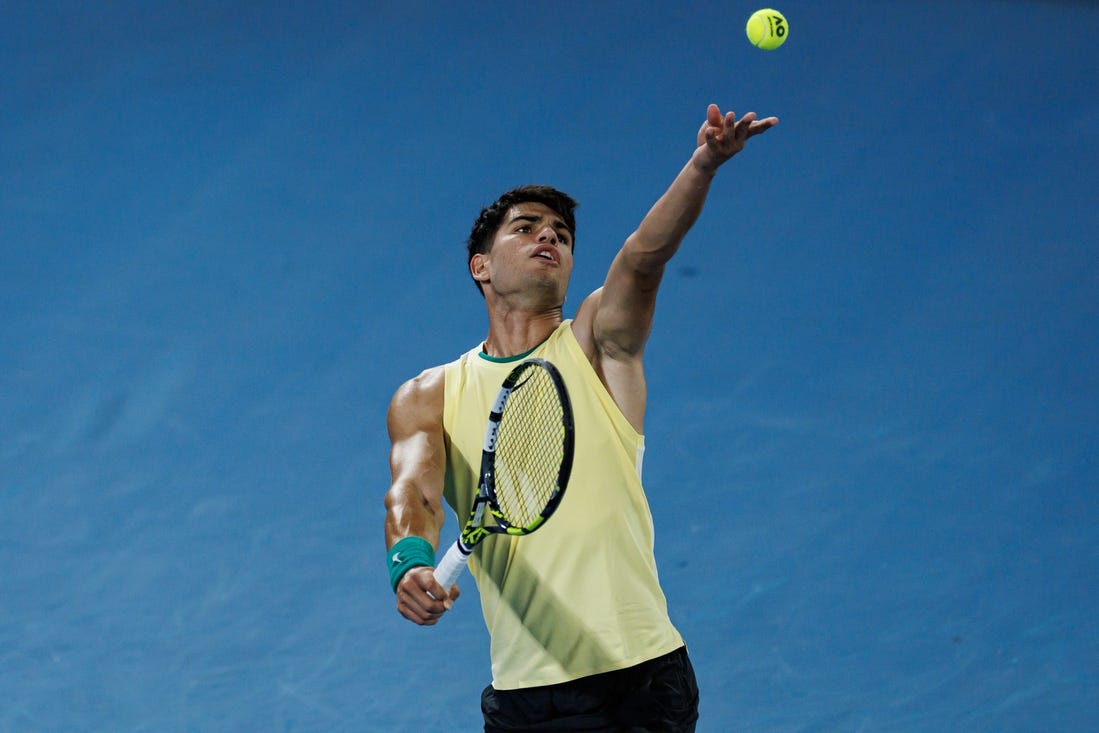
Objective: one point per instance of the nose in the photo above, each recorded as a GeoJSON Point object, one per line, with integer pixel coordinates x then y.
{"type": "Point", "coordinates": [547, 234]}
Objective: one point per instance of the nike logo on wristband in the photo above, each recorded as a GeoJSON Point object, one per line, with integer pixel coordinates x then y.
{"type": "Point", "coordinates": [396, 558]}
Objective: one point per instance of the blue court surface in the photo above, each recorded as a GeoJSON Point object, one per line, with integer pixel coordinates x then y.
{"type": "Point", "coordinates": [230, 230]}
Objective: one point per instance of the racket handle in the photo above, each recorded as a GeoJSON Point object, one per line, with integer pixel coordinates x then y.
{"type": "Point", "coordinates": [451, 566]}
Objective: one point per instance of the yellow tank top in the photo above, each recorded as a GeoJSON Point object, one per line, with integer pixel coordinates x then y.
{"type": "Point", "coordinates": [581, 595]}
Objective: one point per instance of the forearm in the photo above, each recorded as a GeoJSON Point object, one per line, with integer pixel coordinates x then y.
{"type": "Point", "coordinates": [660, 233]}
{"type": "Point", "coordinates": [412, 525]}
{"type": "Point", "coordinates": [662, 230]}
{"type": "Point", "coordinates": [409, 513]}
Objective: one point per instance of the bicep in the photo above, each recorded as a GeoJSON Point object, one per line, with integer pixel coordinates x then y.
{"type": "Point", "coordinates": [417, 460]}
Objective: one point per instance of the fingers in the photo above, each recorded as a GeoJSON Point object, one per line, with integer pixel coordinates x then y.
{"type": "Point", "coordinates": [713, 129]}
{"type": "Point", "coordinates": [725, 134]}
{"type": "Point", "coordinates": [763, 125]}
{"type": "Point", "coordinates": [421, 599]}
{"type": "Point", "coordinates": [713, 116]}
{"type": "Point", "coordinates": [743, 125]}
{"type": "Point", "coordinates": [720, 128]}
{"type": "Point", "coordinates": [715, 125]}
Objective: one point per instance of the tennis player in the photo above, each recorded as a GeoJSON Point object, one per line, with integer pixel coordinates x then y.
{"type": "Point", "coordinates": [579, 627]}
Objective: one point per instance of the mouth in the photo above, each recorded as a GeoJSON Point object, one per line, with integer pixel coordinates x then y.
{"type": "Point", "coordinates": [546, 252]}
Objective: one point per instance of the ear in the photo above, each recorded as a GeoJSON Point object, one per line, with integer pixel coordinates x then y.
{"type": "Point", "coordinates": [479, 267]}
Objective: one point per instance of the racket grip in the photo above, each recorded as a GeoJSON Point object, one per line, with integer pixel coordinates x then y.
{"type": "Point", "coordinates": [451, 566]}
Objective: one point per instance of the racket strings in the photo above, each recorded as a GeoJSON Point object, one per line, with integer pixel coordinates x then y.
{"type": "Point", "coordinates": [529, 450]}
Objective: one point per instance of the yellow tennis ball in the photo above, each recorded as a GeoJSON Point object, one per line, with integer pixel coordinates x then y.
{"type": "Point", "coordinates": [767, 29]}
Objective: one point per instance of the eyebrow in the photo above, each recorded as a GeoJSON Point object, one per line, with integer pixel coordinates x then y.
{"type": "Point", "coordinates": [556, 223]}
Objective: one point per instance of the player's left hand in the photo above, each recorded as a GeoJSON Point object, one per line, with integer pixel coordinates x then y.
{"type": "Point", "coordinates": [722, 136]}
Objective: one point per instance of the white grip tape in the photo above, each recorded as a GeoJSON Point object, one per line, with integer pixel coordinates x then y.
{"type": "Point", "coordinates": [451, 566]}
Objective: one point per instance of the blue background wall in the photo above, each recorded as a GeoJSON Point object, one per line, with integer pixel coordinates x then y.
{"type": "Point", "coordinates": [228, 232]}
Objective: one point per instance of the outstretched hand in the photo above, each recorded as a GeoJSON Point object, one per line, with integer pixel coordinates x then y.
{"type": "Point", "coordinates": [722, 136]}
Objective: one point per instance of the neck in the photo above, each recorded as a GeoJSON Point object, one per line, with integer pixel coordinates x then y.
{"type": "Point", "coordinates": [515, 332]}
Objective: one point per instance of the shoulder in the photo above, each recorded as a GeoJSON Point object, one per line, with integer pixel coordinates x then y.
{"type": "Point", "coordinates": [419, 399]}
{"type": "Point", "coordinates": [583, 324]}
{"type": "Point", "coordinates": [594, 328]}
{"type": "Point", "coordinates": [621, 370]}
{"type": "Point", "coordinates": [424, 386]}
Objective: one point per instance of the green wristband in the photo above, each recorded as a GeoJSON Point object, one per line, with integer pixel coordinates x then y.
{"type": "Point", "coordinates": [408, 553]}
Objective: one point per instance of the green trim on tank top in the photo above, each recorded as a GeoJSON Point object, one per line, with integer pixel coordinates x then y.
{"type": "Point", "coordinates": [506, 359]}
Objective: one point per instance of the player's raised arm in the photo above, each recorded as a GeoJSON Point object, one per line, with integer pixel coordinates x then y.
{"type": "Point", "coordinates": [629, 293]}
{"type": "Point", "coordinates": [414, 506]}
{"type": "Point", "coordinates": [615, 321]}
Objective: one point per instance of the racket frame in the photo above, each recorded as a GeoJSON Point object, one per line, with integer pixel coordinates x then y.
{"type": "Point", "coordinates": [475, 528]}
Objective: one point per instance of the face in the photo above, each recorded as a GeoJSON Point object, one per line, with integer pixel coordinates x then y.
{"type": "Point", "coordinates": [530, 256]}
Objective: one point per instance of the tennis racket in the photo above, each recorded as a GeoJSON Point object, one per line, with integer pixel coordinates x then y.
{"type": "Point", "coordinates": [525, 461]}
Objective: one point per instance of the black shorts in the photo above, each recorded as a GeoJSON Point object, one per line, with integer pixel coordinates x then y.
{"type": "Point", "coordinates": [658, 695]}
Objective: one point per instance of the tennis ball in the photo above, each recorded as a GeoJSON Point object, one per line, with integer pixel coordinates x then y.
{"type": "Point", "coordinates": [767, 29]}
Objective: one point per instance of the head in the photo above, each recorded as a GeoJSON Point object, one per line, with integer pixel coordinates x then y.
{"type": "Point", "coordinates": [492, 216]}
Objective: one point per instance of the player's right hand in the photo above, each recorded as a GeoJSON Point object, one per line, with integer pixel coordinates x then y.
{"type": "Point", "coordinates": [421, 599]}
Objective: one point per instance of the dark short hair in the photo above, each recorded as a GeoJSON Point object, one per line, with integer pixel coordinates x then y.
{"type": "Point", "coordinates": [492, 216]}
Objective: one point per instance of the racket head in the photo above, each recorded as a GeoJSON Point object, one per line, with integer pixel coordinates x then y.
{"type": "Point", "coordinates": [529, 447]}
